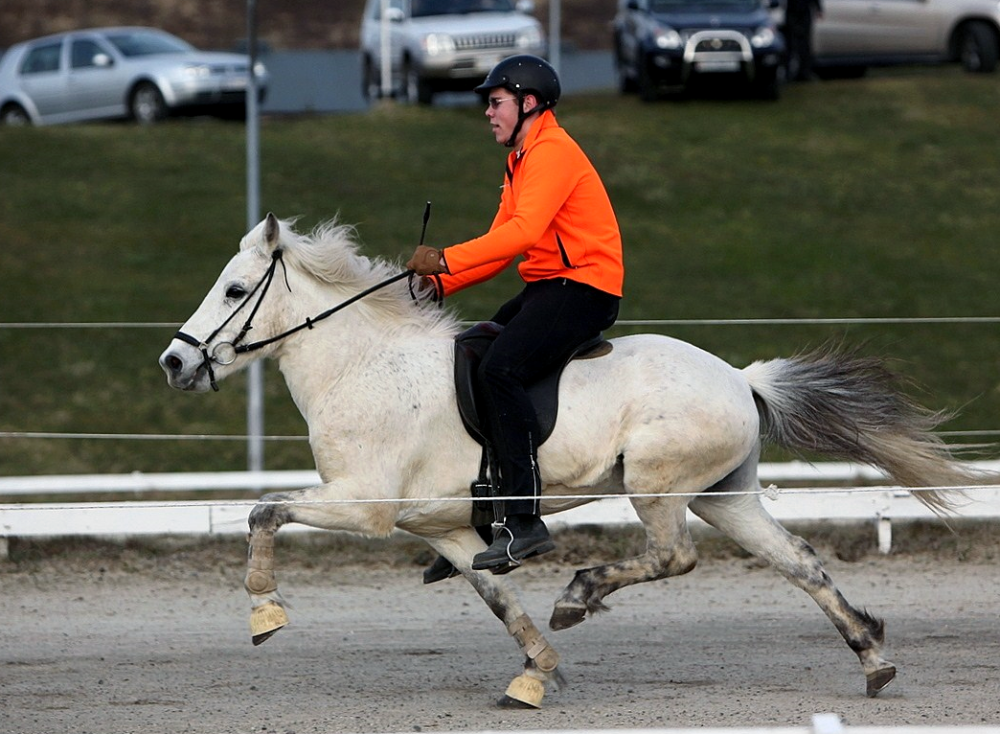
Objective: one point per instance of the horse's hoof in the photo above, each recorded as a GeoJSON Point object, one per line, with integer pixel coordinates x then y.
{"type": "Point", "coordinates": [265, 620]}
{"type": "Point", "coordinates": [879, 680]}
{"type": "Point", "coordinates": [506, 702]}
{"type": "Point", "coordinates": [567, 615]}
{"type": "Point", "coordinates": [524, 692]}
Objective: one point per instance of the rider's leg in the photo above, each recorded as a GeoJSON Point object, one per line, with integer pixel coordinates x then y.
{"type": "Point", "coordinates": [542, 327]}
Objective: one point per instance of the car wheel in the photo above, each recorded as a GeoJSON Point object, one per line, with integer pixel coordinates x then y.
{"type": "Point", "coordinates": [415, 89]}
{"type": "Point", "coordinates": [977, 48]}
{"type": "Point", "coordinates": [14, 115]}
{"type": "Point", "coordinates": [146, 105]}
{"type": "Point", "coordinates": [626, 83]}
{"type": "Point", "coordinates": [648, 91]}
{"type": "Point", "coordinates": [769, 83]}
{"type": "Point", "coordinates": [371, 82]}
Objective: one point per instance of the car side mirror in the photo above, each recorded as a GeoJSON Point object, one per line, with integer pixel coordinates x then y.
{"type": "Point", "coordinates": [525, 6]}
{"type": "Point", "coordinates": [102, 60]}
{"type": "Point", "coordinates": [393, 14]}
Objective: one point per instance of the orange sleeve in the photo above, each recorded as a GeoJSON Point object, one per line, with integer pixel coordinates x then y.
{"type": "Point", "coordinates": [454, 280]}
{"type": "Point", "coordinates": [547, 180]}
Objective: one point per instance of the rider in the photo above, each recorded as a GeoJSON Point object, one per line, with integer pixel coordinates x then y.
{"type": "Point", "coordinates": [555, 213]}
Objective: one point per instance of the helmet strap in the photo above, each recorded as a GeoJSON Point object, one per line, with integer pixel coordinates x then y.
{"type": "Point", "coordinates": [521, 117]}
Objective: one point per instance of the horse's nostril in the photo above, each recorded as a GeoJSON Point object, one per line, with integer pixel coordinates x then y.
{"type": "Point", "coordinates": [174, 363]}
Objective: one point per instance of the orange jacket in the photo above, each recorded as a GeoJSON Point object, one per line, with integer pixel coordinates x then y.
{"type": "Point", "coordinates": [554, 212]}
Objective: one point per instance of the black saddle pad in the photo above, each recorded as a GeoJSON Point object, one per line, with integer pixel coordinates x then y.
{"type": "Point", "coordinates": [471, 345]}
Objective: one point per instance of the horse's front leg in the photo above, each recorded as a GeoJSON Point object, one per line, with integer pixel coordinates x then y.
{"type": "Point", "coordinates": [310, 507]}
{"type": "Point", "coordinates": [541, 661]}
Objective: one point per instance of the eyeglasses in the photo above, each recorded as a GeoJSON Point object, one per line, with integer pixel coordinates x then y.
{"type": "Point", "coordinates": [495, 102]}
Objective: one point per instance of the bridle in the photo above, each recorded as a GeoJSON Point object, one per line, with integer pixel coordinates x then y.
{"type": "Point", "coordinates": [226, 352]}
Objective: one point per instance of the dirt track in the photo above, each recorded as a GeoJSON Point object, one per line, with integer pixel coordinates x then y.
{"type": "Point", "coordinates": [164, 647]}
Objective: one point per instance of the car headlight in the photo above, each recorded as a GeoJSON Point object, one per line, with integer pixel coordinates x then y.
{"type": "Point", "coordinates": [197, 70]}
{"type": "Point", "coordinates": [438, 43]}
{"type": "Point", "coordinates": [529, 38]}
{"type": "Point", "coordinates": [762, 37]}
{"type": "Point", "coordinates": [667, 38]}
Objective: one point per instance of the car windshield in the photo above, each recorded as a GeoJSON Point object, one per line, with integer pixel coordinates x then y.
{"type": "Point", "coordinates": [422, 8]}
{"type": "Point", "coordinates": [144, 43]}
{"type": "Point", "coordinates": [674, 6]}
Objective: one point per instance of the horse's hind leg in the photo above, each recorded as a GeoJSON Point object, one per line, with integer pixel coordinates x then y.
{"type": "Point", "coordinates": [669, 552]}
{"type": "Point", "coordinates": [744, 519]}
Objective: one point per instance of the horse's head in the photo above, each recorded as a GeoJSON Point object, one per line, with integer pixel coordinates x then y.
{"type": "Point", "coordinates": [212, 343]}
{"type": "Point", "coordinates": [282, 283]}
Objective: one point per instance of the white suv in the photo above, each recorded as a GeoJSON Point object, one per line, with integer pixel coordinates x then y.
{"type": "Point", "coordinates": [441, 45]}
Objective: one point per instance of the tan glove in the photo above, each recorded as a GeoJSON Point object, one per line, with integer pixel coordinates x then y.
{"type": "Point", "coordinates": [426, 261]}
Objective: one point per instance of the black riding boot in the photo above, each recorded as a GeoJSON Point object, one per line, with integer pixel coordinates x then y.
{"type": "Point", "coordinates": [443, 569]}
{"type": "Point", "coordinates": [520, 537]}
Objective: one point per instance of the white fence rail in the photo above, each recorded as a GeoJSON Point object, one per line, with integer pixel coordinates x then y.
{"type": "Point", "coordinates": [879, 505]}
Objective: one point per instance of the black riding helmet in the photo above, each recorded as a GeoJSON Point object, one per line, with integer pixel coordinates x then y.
{"type": "Point", "coordinates": [521, 75]}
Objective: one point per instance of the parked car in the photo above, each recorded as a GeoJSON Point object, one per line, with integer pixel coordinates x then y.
{"type": "Point", "coordinates": [852, 35]}
{"type": "Point", "coordinates": [107, 73]}
{"type": "Point", "coordinates": [441, 45]}
{"type": "Point", "coordinates": [661, 44]}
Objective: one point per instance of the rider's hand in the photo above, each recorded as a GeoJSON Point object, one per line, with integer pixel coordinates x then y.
{"type": "Point", "coordinates": [426, 261]}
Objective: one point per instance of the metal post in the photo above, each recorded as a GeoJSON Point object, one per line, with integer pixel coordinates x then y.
{"type": "Point", "coordinates": [255, 374]}
{"type": "Point", "coordinates": [385, 51]}
{"type": "Point", "coordinates": [555, 40]}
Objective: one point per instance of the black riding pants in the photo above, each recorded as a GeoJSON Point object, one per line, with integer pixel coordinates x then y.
{"type": "Point", "coordinates": [543, 326]}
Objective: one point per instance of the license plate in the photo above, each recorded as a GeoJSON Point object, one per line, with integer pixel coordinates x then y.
{"type": "Point", "coordinates": [487, 63]}
{"type": "Point", "coordinates": [717, 66]}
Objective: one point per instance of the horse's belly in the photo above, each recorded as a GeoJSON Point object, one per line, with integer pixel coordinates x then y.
{"type": "Point", "coordinates": [670, 411]}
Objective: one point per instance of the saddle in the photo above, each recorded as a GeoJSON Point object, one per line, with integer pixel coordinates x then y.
{"type": "Point", "coordinates": [470, 346]}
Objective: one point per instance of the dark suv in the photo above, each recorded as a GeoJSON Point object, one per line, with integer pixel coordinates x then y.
{"type": "Point", "coordinates": [662, 44]}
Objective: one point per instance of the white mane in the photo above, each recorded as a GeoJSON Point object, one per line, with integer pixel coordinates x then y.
{"type": "Point", "coordinates": [330, 253]}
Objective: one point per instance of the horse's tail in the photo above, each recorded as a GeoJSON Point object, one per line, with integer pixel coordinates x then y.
{"type": "Point", "coordinates": [852, 408]}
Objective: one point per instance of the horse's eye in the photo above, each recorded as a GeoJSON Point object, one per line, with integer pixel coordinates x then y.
{"type": "Point", "coordinates": [236, 292]}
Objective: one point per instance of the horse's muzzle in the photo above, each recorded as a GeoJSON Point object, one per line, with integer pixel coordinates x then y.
{"type": "Point", "coordinates": [184, 370]}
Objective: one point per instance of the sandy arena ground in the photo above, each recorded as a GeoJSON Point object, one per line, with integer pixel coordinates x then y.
{"type": "Point", "coordinates": [162, 645]}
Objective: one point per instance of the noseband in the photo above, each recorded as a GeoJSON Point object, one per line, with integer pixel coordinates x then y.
{"type": "Point", "coordinates": [226, 352]}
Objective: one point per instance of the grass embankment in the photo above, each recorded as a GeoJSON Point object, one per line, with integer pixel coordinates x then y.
{"type": "Point", "coordinates": [866, 198]}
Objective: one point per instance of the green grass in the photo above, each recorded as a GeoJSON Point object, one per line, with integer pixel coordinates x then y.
{"type": "Point", "coordinates": [862, 198]}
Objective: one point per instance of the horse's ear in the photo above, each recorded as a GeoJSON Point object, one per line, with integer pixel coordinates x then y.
{"type": "Point", "coordinates": [272, 231]}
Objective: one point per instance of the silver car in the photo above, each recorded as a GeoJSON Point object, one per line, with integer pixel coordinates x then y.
{"type": "Point", "coordinates": [108, 73]}
{"type": "Point", "coordinates": [852, 35]}
{"type": "Point", "coordinates": [441, 45]}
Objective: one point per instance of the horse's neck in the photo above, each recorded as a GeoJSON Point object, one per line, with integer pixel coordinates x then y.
{"type": "Point", "coordinates": [351, 357]}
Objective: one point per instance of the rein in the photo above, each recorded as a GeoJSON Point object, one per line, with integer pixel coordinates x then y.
{"type": "Point", "coordinates": [225, 353]}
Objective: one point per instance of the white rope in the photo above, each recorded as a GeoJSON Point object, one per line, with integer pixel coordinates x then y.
{"type": "Point", "coordinates": [144, 436]}
{"type": "Point", "coordinates": [621, 322]}
{"type": "Point", "coordinates": [771, 492]}
{"type": "Point", "coordinates": [238, 437]}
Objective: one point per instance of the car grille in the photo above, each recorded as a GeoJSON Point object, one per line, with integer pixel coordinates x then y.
{"type": "Point", "coordinates": [717, 45]}
{"type": "Point", "coordinates": [223, 69]}
{"type": "Point", "coordinates": [481, 41]}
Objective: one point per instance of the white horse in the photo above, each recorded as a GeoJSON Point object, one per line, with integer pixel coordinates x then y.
{"type": "Point", "coordinates": [671, 426]}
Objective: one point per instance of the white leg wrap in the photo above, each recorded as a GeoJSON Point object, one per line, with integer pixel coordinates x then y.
{"type": "Point", "coordinates": [535, 647]}
{"type": "Point", "coordinates": [260, 577]}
